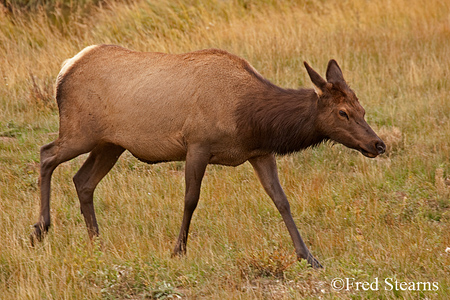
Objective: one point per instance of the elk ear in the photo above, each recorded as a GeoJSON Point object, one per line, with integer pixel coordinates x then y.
{"type": "Point", "coordinates": [319, 83]}
{"type": "Point", "coordinates": [334, 72]}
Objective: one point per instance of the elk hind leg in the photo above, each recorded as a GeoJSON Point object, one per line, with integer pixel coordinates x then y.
{"type": "Point", "coordinates": [52, 155]}
{"type": "Point", "coordinates": [97, 165]}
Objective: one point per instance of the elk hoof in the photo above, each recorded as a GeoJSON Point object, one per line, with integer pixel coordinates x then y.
{"type": "Point", "coordinates": [38, 234]}
{"type": "Point", "coordinates": [315, 264]}
{"type": "Point", "coordinates": [179, 252]}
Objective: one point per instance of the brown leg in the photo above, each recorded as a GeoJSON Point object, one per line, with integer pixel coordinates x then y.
{"type": "Point", "coordinates": [52, 155]}
{"type": "Point", "coordinates": [266, 170]}
{"type": "Point", "coordinates": [97, 165]}
{"type": "Point", "coordinates": [196, 161]}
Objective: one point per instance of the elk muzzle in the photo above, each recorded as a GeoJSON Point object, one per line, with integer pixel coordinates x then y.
{"type": "Point", "coordinates": [373, 149]}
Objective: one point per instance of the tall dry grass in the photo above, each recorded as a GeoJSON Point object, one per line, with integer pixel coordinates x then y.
{"type": "Point", "coordinates": [364, 219]}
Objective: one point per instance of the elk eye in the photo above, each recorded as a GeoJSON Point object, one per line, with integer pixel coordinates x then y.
{"type": "Point", "coordinates": [343, 114]}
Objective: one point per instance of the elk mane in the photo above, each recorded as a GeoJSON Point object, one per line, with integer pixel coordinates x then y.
{"type": "Point", "coordinates": [279, 120]}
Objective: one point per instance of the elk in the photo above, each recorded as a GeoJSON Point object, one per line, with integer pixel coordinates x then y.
{"type": "Point", "coordinates": [203, 107]}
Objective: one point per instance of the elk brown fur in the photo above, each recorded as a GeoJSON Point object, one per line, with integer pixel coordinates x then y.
{"type": "Point", "coordinates": [204, 107]}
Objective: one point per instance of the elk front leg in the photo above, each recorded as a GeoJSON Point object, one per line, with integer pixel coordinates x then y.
{"type": "Point", "coordinates": [266, 170]}
{"type": "Point", "coordinates": [197, 159]}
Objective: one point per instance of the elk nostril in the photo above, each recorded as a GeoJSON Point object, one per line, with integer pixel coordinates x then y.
{"type": "Point", "coordinates": [381, 147]}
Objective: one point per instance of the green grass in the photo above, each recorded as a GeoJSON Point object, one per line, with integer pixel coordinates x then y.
{"type": "Point", "coordinates": [385, 218]}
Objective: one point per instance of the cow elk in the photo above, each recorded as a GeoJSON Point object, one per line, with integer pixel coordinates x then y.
{"type": "Point", "coordinates": [204, 107]}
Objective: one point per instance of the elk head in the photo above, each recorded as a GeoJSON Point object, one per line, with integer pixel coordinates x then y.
{"type": "Point", "coordinates": [340, 116]}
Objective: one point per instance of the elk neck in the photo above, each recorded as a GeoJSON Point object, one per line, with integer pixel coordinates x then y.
{"type": "Point", "coordinates": [278, 120]}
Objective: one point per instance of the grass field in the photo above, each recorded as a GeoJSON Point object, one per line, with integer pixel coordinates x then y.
{"type": "Point", "coordinates": [374, 221]}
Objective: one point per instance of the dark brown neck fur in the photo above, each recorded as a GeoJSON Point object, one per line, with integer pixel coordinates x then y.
{"type": "Point", "coordinates": [279, 120]}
